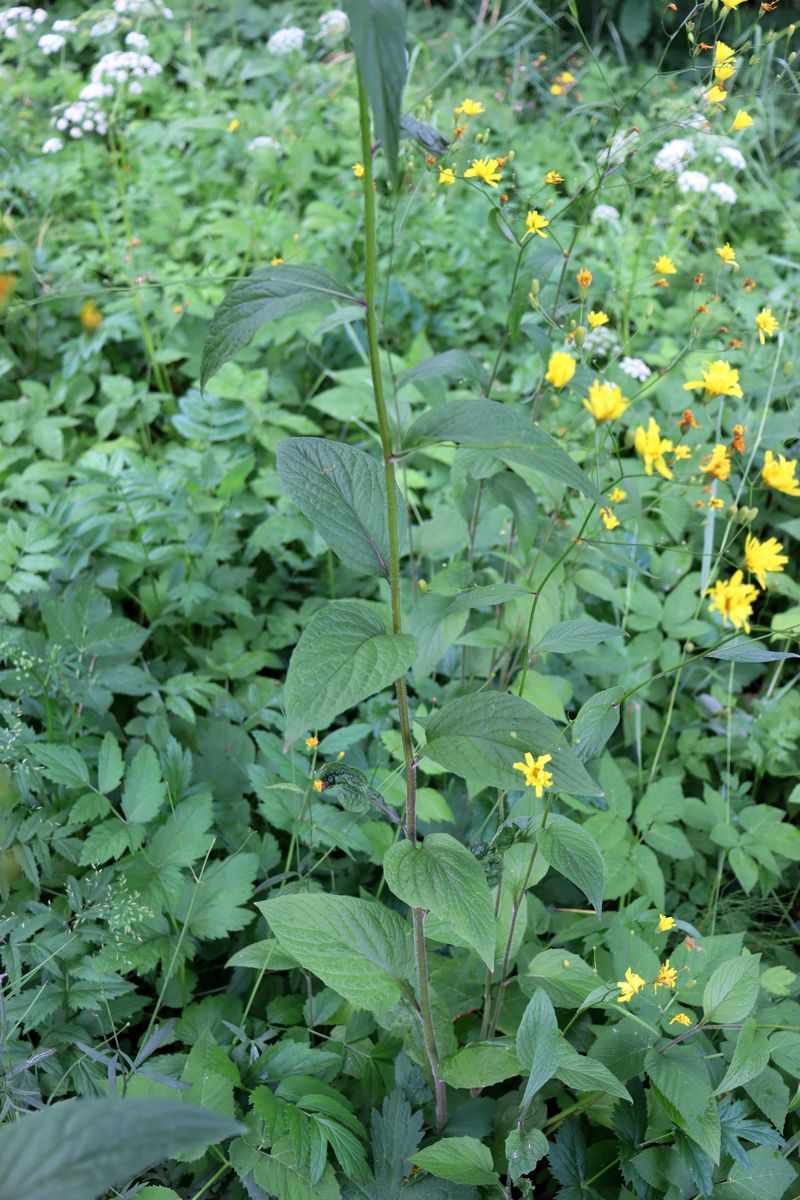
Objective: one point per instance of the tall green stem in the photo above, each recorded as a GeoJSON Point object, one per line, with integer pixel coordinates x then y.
{"type": "Point", "coordinates": [384, 430]}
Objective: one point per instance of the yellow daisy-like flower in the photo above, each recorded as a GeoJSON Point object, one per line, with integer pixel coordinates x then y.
{"type": "Point", "coordinates": [716, 502]}
{"type": "Point", "coordinates": [717, 463]}
{"type": "Point", "coordinates": [556, 89]}
{"type": "Point", "coordinates": [318, 785]}
{"type": "Point", "coordinates": [312, 742]}
{"type": "Point", "coordinates": [597, 318]}
{"type": "Point", "coordinates": [565, 77]}
{"type": "Point", "coordinates": [560, 368]}
{"type": "Point", "coordinates": [682, 452]}
{"type": "Point", "coordinates": [536, 223]}
{"type": "Point", "coordinates": [485, 169]}
{"type": "Point", "coordinates": [553, 177]}
{"type": "Point", "coordinates": [742, 120]}
{"type": "Point", "coordinates": [733, 600]}
{"type": "Point", "coordinates": [617, 496]}
{"type": "Point", "coordinates": [629, 986]}
{"type": "Point", "coordinates": [779, 473]}
{"type": "Point", "coordinates": [534, 771]}
{"type": "Point", "coordinates": [716, 95]}
{"type": "Point", "coordinates": [728, 255]}
{"type": "Point", "coordinates": [470, 108]}
{"type": "Point", "coordinates": [651, 447]}
{"type": "Point", "coordinates": [732, 3]}
{"type": "Point", "coordinates": [667, 976]}
{"type": "Point", "coordinates": [584, 278]}
{"type": "Point", "coordinates": [724, 62]}
{"type": "Point", "coordinates": [606, 401]}
{"type": "Point", "coordinates": [664, 265]}
{"type": "Point", "coordinates": [233, 125]}
{"type": "Point", "coordinates": [609, 519]}
{"type": "Point", "coordinates": [446, 176]}
{"type": "Point", "coordinates": [358, 170]}
{"type": "Point", "coordinates": [721, 379]}
{"type": "Point", "coordinates": [762, 557]}
{"type": "Point", "coordinates": [665, 923]}
{"type": "Point", "coordinates": [277, 261]}
{"type": "Point", "coordinates": [766, 324]}
{"type": "Point", "coordinates": [90, 315]}
{"type": "Point", "coordinates": [680, 1019]}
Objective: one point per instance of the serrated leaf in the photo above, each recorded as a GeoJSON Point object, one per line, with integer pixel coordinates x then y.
{"type": "Point", "coordinates": [585, 1074]}
{"type": "Point", "coordinates": [278, 1174]}
{"type": "Point", "coordinates": [572, 851]}
{"type": "Point", "coordinates": [480, 736]}
{"type": "Point", "coordinates": [442, 877]}
{"type": "Point", "coordinates": [396, 1133]}
{"type": "Point", "coordinates": [266, 955]}
{"type": "Point", "coordinates": [732, 990]}
{"type": "Point", "coordinates": [568, 636]}
{"type": "Point", "coordinates": [768, 1176]}
{"type": "Point", "coordinates": [459, 1159]}
{"type": "Point", "coordinates": [480, 1064]}
{"type": "Point", "coordinates": [144, 791]}
{"type": "Point", "coordinates": [524, 1149]}
{"type": "Point", "coordinates": [109, 764]}
{"type": "Point", "coordinates": [258, 299]}
{"type": "Point", "coordinates": [539, 1043]}
{"type": "Point", "coordinates": [357, 947]}
{"type": "Point", "coordinates": [212, 904]}
{"type": "Point", "coordinates": [378, 33]}
{"type": "Point", "coordinates": [342, 491]}
{"type": "Point", "coordinates": [343, 656]}
{"type": "Point", "coordinates": [750, 1057]}
{"type": "Point", "coordinates": [63, 765]}
{"type": "Point", "coordinates": [681, 1077]}
{"type": "Point", "coordinates": [80, 1149]}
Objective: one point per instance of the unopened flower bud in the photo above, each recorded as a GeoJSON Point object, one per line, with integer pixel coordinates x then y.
{"type": "Point", "coordinates": [732, 512]}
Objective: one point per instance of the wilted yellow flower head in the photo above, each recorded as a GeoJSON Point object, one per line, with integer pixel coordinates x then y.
{"type": "Point", "coordinates": [597, 318]}
{"type": "Point", "coordinates": [584, 278]}
{"type": "Point", "coordinates": [447, 175]}
{"type": "Point", "coordinates": [742, 120]}
{"type": "Point", "coordinates": [609, 519]}
{"type": "Point", "coordinates": [665, 923]}
{"type": "Point", "coordinates": [606, 401]}
{"type": "Point", "coordinates": [667, 976]}
{"type": "Point", "coordinates": [680, 1019]}
{"type": "Point", "coordinates": [664, 265]}
{"type": "Point", "coordinates": [536, 222]}
{"type": "Point", "coordinates": [728, 255]}
{"type": "Point", "coordinates": [651, 447]}
{"type": "Point", "coordinates": [721, 379]}
{"type": "Point", "coordinates": [534, 771]}
{"type": "Point", "coordinates": [560, 368]}
{"type": "Point", "coordinates": [766, 324]}
{"type": "Point", "coordinates": [717, 463]}
{"type": "Point", "coordinates": [629, 986]}
{"type": "Point", "coordinates": [779, 473]}
{"type": "Point", "coordinates": [762, 557]}
{"type": "Point", "coordinates": [733, 600]}
{"type": "Point", "coordinates": [470, 108]}
{"type": "Point", "coordinates": [485, 169]}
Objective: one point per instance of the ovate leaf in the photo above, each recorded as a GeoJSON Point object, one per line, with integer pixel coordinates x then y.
{"type": "Point", "coordinates": [524, 1150]}
{"type": "Point", "coordinates": [539, 1043]}
{"type": "Point", "coordinates": [443, 877]}
{"type": "Point", "coordinates": [378, 31]}
{"type": "Point", "coordinates": [264, 296]}
{"type": "Point", "coordinates": [459, 1159]}
{"type": "Point", "coordinates": [144, 790]}
{"type": "Point", "coordinates": [109, 764]}
{"type": "Point", "coordinates": [62, 764]}
{"type": "Point", "coordinates": [343, 656]}
{"type": "Point", "coordinates": [568, 636]}
{"type": "Point", "coordinates": [357, 947]}
{"type": "Point", "coordinates": [750, 1057]}
{"type": "Point", "coordinates": [574, 853]}
{"type": "Point", "coordinates": [584, 1074]}
{"type": "Point", "coordinates": [480, 1064]}
{"type": "Point", "coordinates": [732, 990]}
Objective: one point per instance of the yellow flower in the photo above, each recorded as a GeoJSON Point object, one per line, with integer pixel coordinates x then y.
{"type": "Point", "coordinates": [90, 315]}
{"type": "Point", "coordinates": [667, 976]}
{"type": "Point", "coordinates": [358, 170]}
{"type": "Point", "coordinates": [715, 502]}
{"type": "Point", "coordinates": [733, 600]}
{"type": "Point", "coordinates": [597, 318]}
{"type": "Point", "coordinates": [779, 473]}
{"type": "Point", "coordinates": [732, 3]}
{"type": "Point", "coordinates": [312, 742]}
{"type": "Point", "coordinates": [664, 265]}
{"type": "Point", "coordinates": [721, 379]}
{"type": "Point", "coordinates": [762, 557]}
{"type": "Point", "coordinates": [536, 222]}
{"type": "Point", "coordinates": [485, 169]}
{"type": "Point", "coordinates": [553, 177]}
{"type": "Point", "coordinates": [319, 786]}
{"type": "Point", "coordinates": [766, 324]}
{"type": "Point", "coordinates": [617, 496]}
{"type": "Point", "coordinates": [446, 175]}
{"type": "Point", "coordinates": [717, 463]}
{"type": "Point", "coordinates": [565, 77]}
{"type": "Point", "coordinates": [609, 520]}
{"type": "Point", "coordinates": [724, 62]}
{"type": "Point", "coordinates": [728, 255]}
{"type": "Point", "coordinates": [556, 89]}
{"type": "Point", "coordinates": [682, 452]}
{"type": "Point", "coordinates": [680, 1019]}
{"type": "Point", "coordinates": [665, 923]}
{"type": "Point", "coordinates": [534, 771]}
{"type": "Point", "coordinates": [606, 401]}
{"type": "Point", "coordinates": [470, 108]}
{"type": "Point", "coordinates": [629, 986]}
{"type": "Point", "coordinates": [7, 284]}
{"type": "Point", "coordinates": [234, 125]}
{"type": "Point", "coordinates": [584, 278]}
{"type": "Point", "coordinates": [651, 447]}
{"type": "Point", "coordinates": [742, 120]}
{"type": "Point", "coordinates": [716, 95]}
{"type": "Point", "coordinates": [277, 261]}
{"type": "Point", "coordinates": [560, 368]}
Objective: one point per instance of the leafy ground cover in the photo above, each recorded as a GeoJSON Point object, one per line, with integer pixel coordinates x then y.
{"type": "Point", "coordinates": [400, 739]}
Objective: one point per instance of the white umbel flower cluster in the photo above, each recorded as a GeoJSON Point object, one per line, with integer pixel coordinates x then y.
{"type": "Point", "coordinates": [104, 26]}
{"type": "Point", "coordinates": [125, 67]}
{"type": "Point", "coordinates": [20, 17]}
{"type": "Point", "coordinates": [64, 27]}
{"type": "Point", "coordinates": [622, 144]}
{"type": "Point", "coordinates": [673, 154]}
{"type": "Point", "coordinates": [136, 40]}
{"type": "Point", "coordinates": [605, 214]}
{"type": "Point", "coordinates": [693, 181]}
{"type": "Point", "coordinates": [286, 41]}
{"type": "Point", "coordinates": [265, 142]}
{"type": "Point", "coordinates": [724, 192]}
{"type": "Point", "coordinates": [333, 23]}
{"type": "Point", "coordinates": [732, 156]}
{"type": "Point", "coordinates": [82, 116]}
{"type": "Point", "coordinates": [52, 145]}
{"type": "Point", "coordinates": [601, 342]}
{"type": "Point", "coordinates": [51, 43]}
{"type": "Point", "coordinates": [142, 8]}
{"type": "Point", "coordinates": [637, 368]}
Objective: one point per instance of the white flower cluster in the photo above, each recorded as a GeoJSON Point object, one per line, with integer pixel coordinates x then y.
{"type": "Point", "coordinates": [673, 154]}
{"type": "Point", "coordinates": [265, 142]}
{"type": "Point", "coordinates": [125, 66]}
{"type": "Point", "coordinates": [64, 27]}
{"type": "Point", "coordinates": [637, 368]}
{"type": "Point", "coordinates": [601, 342]}
{"type": "Point", "coordinates": [51, 43]}
{"type": "Point", "coordinates": [605, 214]}
{"type": "Point", "coordinates": [104, 26]}
{"type": "Point", "coordinates": [20, 17]}
{"type": "Point", "coordinates": [136, 40]}
{"type": "Point", "coordinates": [142, 8]}
{"type": "Point", "coordinates": [732, 156]}
{"type": "Point", "coordinates": [286, 41]}
{"type": "Point", "coordinates": [52, 146]}
{"type": "Point", "coordinates": [621, 146]}
{"type": "Point", "coordinates": [82, 116]}
{"type": "Point", "coordinates": [333, 23]}
{"type": "Point", "coordinates": [724, 192]}
{"type": "Point", "coordinates": [693, 181]}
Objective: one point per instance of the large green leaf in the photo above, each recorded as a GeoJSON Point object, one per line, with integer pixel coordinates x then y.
{"type": "Point", "coordinates": [378, 30]}
{"type": "Point", "coordinates": [487, 425]}
{"type": "Point", "coordinates": [480, 1064]}
{"type": "Point", "coordinates": [584, 1074]}
{"type": "Point", "coordinates": [569, 636]}
{"type": "Point", "coordinates": [357, 947]}
{"type": "Point", "coordinates": [750, 1057]}
{"type": "Point", "coordinates": [81, 1149]}
{"type": "Point", "coordinates": [144, 791]}
{"type": "Point", "coordinates": [342, 491]}
{"type": "Point", "coordinates": [261, 297]}
{"type": "Point", "coordinates": [455, 364]}
{"type": "Point", "coordinates": [732, 990]}
{"type": "Point", "coordinates": [482, 735]}
{"type": "Point", "coordinates": [539, 1043]}
{"type": "Point", "coordinates": [443, 877]}
{"type": "Point", "coordinates": [278, 1174]}
{"type": "Point", "coordinates": [459, 1159]}
{"type": "Point", "coordinates": [343, 656]}
{"type": "Point", "coordinates": [682, 1080]}
{"type": "Point", "coordinates": [574, 853]}
{"type": "Point", "coordinates": [524, 1150]}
